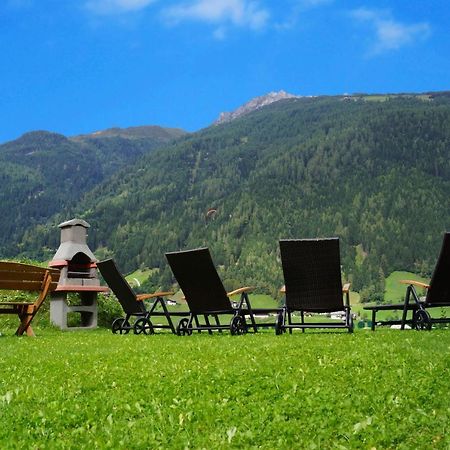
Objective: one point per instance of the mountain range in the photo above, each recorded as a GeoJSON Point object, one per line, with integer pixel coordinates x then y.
{"type": "Point", "coordinates": [373, 170]}
{"type": "Point", "coordinates": [44, 173]}
{"type": "Point", "coordinates": [253, 105]}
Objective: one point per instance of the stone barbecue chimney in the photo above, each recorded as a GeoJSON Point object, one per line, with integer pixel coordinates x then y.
{"type": "Point", "coordinates": [74, 258]}
{"type": "Point", "coordinates": [78, 276]}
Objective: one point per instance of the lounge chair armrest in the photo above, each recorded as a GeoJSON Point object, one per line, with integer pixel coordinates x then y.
{"type": "Point", "coordinates": [346, 294]}
{"type": "Point", "coordinates": [415, 283]}
{"type": "Point", "coordinates": [240, 290]}
{"type": "Point", "coordinates": [141, 297]}
{"type": "Point", "coordinates": [283, 289]}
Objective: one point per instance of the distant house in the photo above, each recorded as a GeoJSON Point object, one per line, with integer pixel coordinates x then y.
{"type": "Point", "coordinates": [338, 315]}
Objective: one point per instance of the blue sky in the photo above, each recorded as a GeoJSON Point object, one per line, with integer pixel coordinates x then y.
{"type": "Point", "coordinates": [77, 66]}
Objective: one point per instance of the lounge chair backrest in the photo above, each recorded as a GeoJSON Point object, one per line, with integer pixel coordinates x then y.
{"type": "Point", "coordinates": [198, 279]}
{"type": "Point", "coordinates": [120, 287]}
{"type": "Point", "coordinates": [439, 291]}
{"type": "Point", "coordinates": [312, 274]}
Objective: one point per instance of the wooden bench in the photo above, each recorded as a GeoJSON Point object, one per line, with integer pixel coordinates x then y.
{"type": "Point", "coordinates": [26, 277]}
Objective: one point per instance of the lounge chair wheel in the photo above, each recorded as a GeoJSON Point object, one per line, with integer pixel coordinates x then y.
{"type": "Point", "coordinates": [422, 320]}
{"type": "Point", "coordinates": [143, 326]}
{"type": "Point", "coordinates": [121, 326]}
{"type": "Point", "coordinates": [238, 325]}
{"type": "Point", "coordinates": [279, 324]}
{"type": "Point", "coordinates": [182, 328]}
{"type": "Point", "coordinates": [350, 324]}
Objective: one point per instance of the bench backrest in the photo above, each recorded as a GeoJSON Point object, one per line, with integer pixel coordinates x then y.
{"type": "Point", "coordinates": [26, 277]}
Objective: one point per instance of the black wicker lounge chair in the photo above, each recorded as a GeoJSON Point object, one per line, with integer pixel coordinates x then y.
{"type": "Point", "coordinates": [437, 296]}
{"type": "Point", "coordinates": [132, 304]}
{"type": "Point", "coordinates": [312, 275]}
{"type": "Point", "coordinates": [206, 296]}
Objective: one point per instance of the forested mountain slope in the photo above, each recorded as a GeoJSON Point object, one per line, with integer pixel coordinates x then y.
{"type": "Point", "coordinates": [44, 173]}
{"type": "Point", "coordinates": [373, 171]}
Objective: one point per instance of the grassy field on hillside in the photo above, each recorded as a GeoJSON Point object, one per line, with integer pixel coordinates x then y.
{"type": "Point", "coordinates": [139, 276]}
{"type": "Point", "coordinates": [394, 291]}
{"type": "Point", "coordinates": [387, 389]}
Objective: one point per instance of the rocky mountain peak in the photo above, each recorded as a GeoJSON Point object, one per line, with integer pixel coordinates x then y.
{"type": "Point", "coordinates": [253, 105]}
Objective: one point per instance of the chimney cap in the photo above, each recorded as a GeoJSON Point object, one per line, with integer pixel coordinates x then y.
{"type": "Point", "coordinates": [74, 222]}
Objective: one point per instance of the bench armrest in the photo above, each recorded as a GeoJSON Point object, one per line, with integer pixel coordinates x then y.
{"type": "Point", "coordinates": [415, 283]}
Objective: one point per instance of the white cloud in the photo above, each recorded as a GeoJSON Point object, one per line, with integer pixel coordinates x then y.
{"type": "Point", "coordinates": [299, 8]}
{"type": "Point", "coordinates": [220, 33]}
{"type": "Point", "coordinates": [390, 34]}
{"type": "Point", "coordinates": [116, 6]}
{"type": "Point", "coordinates": [243, 13]}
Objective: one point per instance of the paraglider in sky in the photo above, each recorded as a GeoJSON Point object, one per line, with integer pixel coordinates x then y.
{"type": "Point", "coordinates": [211, 213]}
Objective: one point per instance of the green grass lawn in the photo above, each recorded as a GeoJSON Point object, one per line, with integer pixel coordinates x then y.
{"type": "Point", "coordinates": [387, 389]}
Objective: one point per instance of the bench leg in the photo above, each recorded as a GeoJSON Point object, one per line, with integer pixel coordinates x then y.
{"type": "Point", "coordinates": [26, 315]}
{"type": "Point", "coordinates": [25, 325]}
